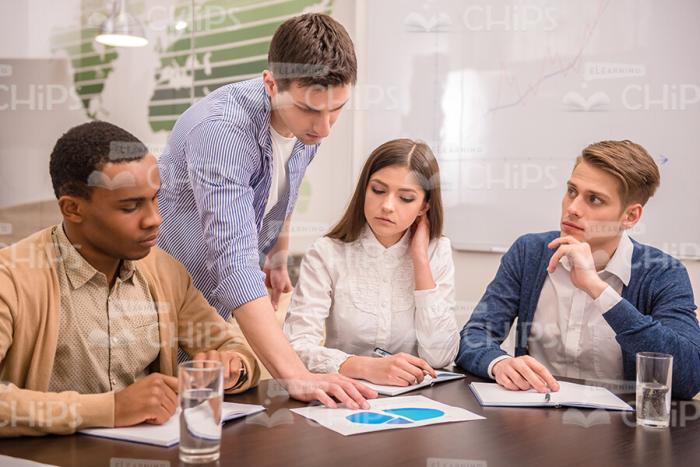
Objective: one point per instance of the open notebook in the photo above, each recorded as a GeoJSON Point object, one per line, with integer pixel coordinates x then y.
{"type": "Point", "coordinates": [569, 394]}
{"type": "Point", "coordinates": [442, 376]}
{"type": "Point", "coordinates": [7, 461]}
{"type": "Point", "coordinates": [168, 434]}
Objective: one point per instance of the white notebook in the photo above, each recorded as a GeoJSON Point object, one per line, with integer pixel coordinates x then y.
{"type": "Point", "coordinates": [7, 461]}
{"type": "Point", "coordinates": [442, 376]}
{"type": "Point", "coordinates": [569, 394]}
{"type": "Point", "coordinates": [168, 434]}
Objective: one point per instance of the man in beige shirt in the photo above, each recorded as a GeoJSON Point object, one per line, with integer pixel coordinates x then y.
{"type": "Point", "coordinates": [91, 314]}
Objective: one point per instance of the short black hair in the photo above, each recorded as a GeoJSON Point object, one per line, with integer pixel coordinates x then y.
{"type": "Point", "coordinates": [86, 148]}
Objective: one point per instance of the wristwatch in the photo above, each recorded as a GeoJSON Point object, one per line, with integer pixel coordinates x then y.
{"type": "Point", "coordinates": [242, 378]}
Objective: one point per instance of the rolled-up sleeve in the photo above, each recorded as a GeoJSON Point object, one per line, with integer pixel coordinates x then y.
{"type": "Point", "coordinates": [436, 326]}
{"type": "Point", "coordinates": [224, 201]}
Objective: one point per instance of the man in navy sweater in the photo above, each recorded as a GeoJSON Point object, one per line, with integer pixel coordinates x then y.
{"type": "Point", "coordinates": [588, 297]}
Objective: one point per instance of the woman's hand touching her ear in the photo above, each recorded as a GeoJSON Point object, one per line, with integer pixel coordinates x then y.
{"type": "Point", "coordinates": [420, 238]}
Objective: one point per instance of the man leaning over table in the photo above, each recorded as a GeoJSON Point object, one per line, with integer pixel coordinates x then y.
{"type": "Point", "coordinates": [231, 175]}
{"type": "Point", "coordinates": [588, 297]}
{"type": "Point", "coordinates": [91, 314]}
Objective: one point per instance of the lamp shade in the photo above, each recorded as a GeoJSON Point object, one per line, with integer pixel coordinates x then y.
{"type": "Point", "coordinates": [121, 29]}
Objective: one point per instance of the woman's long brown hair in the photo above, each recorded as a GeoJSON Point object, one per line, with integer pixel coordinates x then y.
{"type": "Point", "coordinates": [415, 156]}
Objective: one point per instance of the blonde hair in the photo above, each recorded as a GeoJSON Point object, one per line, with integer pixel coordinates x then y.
{"type": "Point", "coordinates": [629, 163]}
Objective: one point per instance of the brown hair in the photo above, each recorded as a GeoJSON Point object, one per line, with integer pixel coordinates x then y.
{"type": "Point", "coordinates": [419, 159]}
{"type": "Point", "coordinates": [312, 49]}
{"type": "Point", "coordinates": [629, 163]}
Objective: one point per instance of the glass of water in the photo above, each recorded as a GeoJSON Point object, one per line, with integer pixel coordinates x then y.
{"type": "Point", "coordinates": [201, 393]}
{"type": "Point", "coordinates": [654, 372]}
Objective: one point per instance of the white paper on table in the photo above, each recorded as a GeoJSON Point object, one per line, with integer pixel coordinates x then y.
{"type": "Point", "coordinates": [379, 417]}
{"type": "Point", "coordinates": [168, 434]}
{"type": "Point", "coordinates": [201, 422]}
{"type": "Point", "coordinates": [569, 394]}
{"type": "Point", "coordinates": [7, 461]}
{"type": "Point", "coordinates": [386, 390]}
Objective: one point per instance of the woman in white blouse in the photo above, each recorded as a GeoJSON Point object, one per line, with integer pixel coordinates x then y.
{"type": "Point", "coordinates": [382, 277]}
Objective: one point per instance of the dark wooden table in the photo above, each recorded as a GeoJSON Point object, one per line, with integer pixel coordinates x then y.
{"type": "Point", "coordinates": [508, 437]}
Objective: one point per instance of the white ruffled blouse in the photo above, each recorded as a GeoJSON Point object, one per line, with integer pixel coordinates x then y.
{"type": "Point", "coordinates": [361, 295]}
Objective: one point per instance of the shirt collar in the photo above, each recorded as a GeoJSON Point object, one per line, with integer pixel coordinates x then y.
{"type": "Point", "coordinates": [620, 265]}
{"type": "Point", "coordinates": [375, 249]}
{"type": "Point", "coordinates": [78, 270]}
{"type": "Point", "coordinates": [264, 138]}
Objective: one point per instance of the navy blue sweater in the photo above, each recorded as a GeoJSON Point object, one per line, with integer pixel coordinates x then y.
{"type": "Point", "coordinates": [656, 313]}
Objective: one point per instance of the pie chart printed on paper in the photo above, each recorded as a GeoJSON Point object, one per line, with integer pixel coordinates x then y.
{"type": "Point", "coordinates": [395, 416]}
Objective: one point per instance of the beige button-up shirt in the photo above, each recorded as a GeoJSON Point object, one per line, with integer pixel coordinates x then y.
{"type": "Point", "coordinates": [107, 337]}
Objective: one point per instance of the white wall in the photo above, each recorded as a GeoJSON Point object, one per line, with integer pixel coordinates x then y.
{"type": "Point", "coordinates": [333, 174]}
{"type": "Point", "coordinates": [331, 177]}
{"type": "Point", "coordinates": [25, 118]}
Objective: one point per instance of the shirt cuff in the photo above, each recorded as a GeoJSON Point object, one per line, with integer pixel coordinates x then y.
{"type": "Point", "coordinates": [493, 363]}
{"type": "Point", "coordinates": [608, 299]}
{"type": "Point", "coordinates": [239, 288]}
{"type": "Point", "coordinates": [334, 362]}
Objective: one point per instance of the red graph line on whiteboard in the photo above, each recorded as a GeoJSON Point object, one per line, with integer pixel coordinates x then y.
{"type": "Point", "coordinates": [562, 69]}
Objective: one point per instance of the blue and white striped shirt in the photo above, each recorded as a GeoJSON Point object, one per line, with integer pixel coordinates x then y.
{"type": "Point", "coordinates": [215, 178]}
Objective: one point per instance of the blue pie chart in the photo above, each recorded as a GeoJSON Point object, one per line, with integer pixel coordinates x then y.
{"type": "Point", "coordinates": [402, 416]}
{"type": "Point", "coordinates": [369, 418]}
{"type": "Point", "coordinates": [416, 414]}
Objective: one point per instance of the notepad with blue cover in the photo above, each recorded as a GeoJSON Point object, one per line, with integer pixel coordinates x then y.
{"type": "Point", "coordinates": [442, 376]}
{"type": "Point", "coordinates": [569, 395]}
{"type": "Point", "coordinates": [168, 434]}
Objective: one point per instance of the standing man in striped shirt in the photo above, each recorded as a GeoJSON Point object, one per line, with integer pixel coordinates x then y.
{"type": "Point", "coordinates": [230, 178]}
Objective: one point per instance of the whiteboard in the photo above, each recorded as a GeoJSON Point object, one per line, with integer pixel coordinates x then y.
{"type": "Point", "coordinates": [508, 93]}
